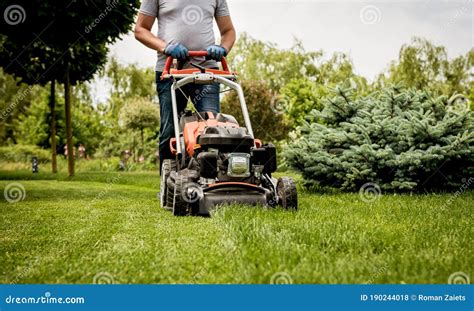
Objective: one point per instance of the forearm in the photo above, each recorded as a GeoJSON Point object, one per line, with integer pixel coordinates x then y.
{"type": "Point", "coordinates": [146, 37]}
{"type": "Point", "coordinates": [228, 39]}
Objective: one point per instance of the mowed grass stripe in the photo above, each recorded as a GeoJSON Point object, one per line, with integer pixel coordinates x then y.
{"type": "Point", "coordinates": [69, 231]}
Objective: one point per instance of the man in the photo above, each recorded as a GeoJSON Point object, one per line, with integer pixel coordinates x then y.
{"type": "Point", "coordinates": [184, 25]}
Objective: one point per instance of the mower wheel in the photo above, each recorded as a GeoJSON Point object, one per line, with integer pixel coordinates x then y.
{"type": "Point", "coordinates": [167, 167]}
{"type": "Point", "coordinates": [286, 190]}
{"type": "Point", "coordinates": [180, 206]}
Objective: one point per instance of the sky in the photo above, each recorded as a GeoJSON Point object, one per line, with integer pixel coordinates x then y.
{"type": "Point", "coordinates": [370, 32]}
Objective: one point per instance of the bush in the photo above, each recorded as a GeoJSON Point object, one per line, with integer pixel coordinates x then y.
{"type": "Point", "coordinates": [266, 110]}
{"type": "Point", "coordinates": [98, 165]}
{"type": "Point", "coordinates": [398, 139]}
{"type": "Point", "coordinates": [112, 165]}
{"type": "Point", "coordinates": [23, 153]}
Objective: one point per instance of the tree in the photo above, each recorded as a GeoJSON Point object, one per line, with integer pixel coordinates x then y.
{"type": "Point", "coordinates": [460, 76]}
{"type": "Point", "coordinates": [15, 99]}
{"type": "Point", "coordinates": [423, 65]}
{"type": "Point", "coordinates": [129, 81]}
{"type": "Point", "coordinates": [140, 114]}
{"type": "Point", "coordinates": [266, 110]}
{"type": "Point", "coordinates": [399, 139]}
{"type": "Point", "coordinates": [297, 78]}
{"type": "Point", "coordinates": [420, 64]}
{"type": "Point", "coordinates": [32, 128]}
{"type": "Point", "coordinates": [66, 42]}
{"type": "Point", "coordinates": [301, 97]}
{"type": "Point", "coordinates": [339, 69]}
{"type": "Point", "coordinates": [37, 62]}
{"type": "Point", "coordinates": [256, 60]}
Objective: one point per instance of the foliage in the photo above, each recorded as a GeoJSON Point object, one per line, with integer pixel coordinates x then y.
{"type": "Point", "coordinates": [257, 60]}
{"type": "Point", "coordinates": [33, 126]}
{"type": "Point", "coordinates": [126, 82]}
{"type": "Point", "coordinates": [14, 102]}
{"type": "Point", "coordinates": [300, 97]}
{"type": "Point", "coordinates": [18, 160]}
{"type": "Point", "coordinates": [96, 126]}
{"type": "Point", "coordinates": [265, 110]}
{"type": "Point", "coordinates": [282, 87]}
{"type": "Point", "coordinates": [399, 139]}
{"type": "Point", "coordinates": [339, 69]}
{"type": "Point", "coordinates": [423, 65]}
{"type": "Point", "coordinates": [65, 42]}
{"type": "Point", "coordinates": [298, 79]}
{"type": "Point", "coordinates": [129, 81]}
{"type": "Point", "coordinates": [23, 153]}
{"type": "Point", "coordinates": [59, 35]}
{"type": "Point", "coordinates": [87, 128]}
{"type": "Point", "coordinates": [138, 114]}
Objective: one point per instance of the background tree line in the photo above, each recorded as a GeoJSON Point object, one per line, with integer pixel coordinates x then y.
{"type": "Point", "coordinates": [282, 88]}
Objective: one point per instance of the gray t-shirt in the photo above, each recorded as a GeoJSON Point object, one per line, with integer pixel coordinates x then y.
{"type": "Point", "coordinates": [189, 22]}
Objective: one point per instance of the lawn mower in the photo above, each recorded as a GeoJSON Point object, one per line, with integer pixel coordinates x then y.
{"type": "Point", "coordinates": [217, 161]}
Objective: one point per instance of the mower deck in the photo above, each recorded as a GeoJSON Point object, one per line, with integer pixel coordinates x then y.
{"type": "Point", "coordinates": [227, 193]}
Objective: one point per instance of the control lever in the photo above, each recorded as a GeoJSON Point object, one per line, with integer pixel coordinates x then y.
{"type": "Point", "coordinates": [201, 68]}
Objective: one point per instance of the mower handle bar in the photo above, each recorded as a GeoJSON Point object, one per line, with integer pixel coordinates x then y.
{"type": "Point", "coordinates": [169, 60]}
{"type": "Point", "coordinates": [219, 79]}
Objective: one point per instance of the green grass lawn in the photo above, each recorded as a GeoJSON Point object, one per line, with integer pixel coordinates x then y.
{"type": "Point", "coordinates": [110, 226]}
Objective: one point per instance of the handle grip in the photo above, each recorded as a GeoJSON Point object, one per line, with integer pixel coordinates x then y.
{"type": "Point", "coordinates": [169, 61]}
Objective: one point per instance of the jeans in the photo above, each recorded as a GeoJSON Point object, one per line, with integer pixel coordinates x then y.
{"type": "Point", "coordinates": [205, 97]}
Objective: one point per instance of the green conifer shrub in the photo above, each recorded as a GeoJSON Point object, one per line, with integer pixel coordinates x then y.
{"type": "Point", "coordinates": [400, 139]}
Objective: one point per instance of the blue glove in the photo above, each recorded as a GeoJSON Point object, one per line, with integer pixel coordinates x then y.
{"type": "Point", "coordinates": [216, 52]}
{"type": "Point", "coordinates": [177, 50]}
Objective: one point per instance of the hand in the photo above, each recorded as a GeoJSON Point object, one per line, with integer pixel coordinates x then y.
{"type": "Point", "coordinates": [216, 52]}
{"type": "Point", "coordinates": [177, 50]}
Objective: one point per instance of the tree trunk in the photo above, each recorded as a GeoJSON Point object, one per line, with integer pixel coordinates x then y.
{"type": "Point", "coordinates": [52, 105]}
{"type": "Point", "coordinates": [143, 141]}
{"type": "Point", "coordinates": [134, 150]}
{"type": "Point", "coordinates": [69, 145]}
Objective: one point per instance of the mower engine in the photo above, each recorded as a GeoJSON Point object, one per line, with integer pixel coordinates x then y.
{"type": "Point", "coordinates": [223, 164]}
